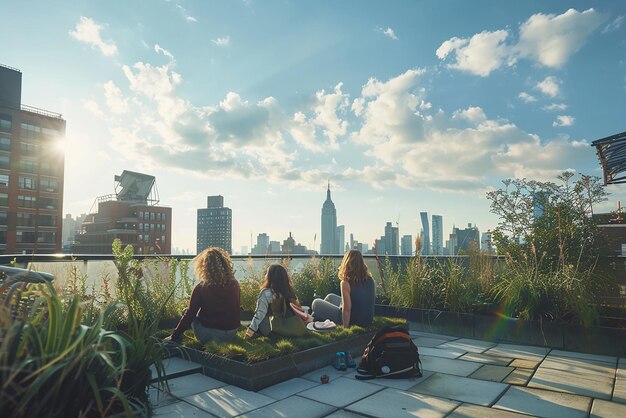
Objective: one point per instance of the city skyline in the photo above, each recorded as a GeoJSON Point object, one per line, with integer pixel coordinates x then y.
{"type": "Point", "coordinates": [406, 107]}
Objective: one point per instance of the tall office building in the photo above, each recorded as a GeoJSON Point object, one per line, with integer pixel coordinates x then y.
{"type": "Point", "coordinates": [31, 172]}
{"type": "Point", "coordinates": [214, 225]}
{"type": "Point", "coordinates": [130, 215]}
{"type": "Point", "coordinates": [340, 236]}
{"type": "Point", "coordinates": [437, 235]}
{"type": "Point", "coordinates": [425, 233]}
{"type": "Point", "coordinates": [392, 239]}
{"type": "Point", "coordinates": [406, 247]}
{"type": "Point", "coordinates": [71, 228]}
{"type": "Point", "coordinates": [486, 242]}
{"type": "Point", "coordinates": [262, 244]}
{"type": "Point", "coordinates": [467, 238]}
{"type": "Point", "coordinates": [329, 226]}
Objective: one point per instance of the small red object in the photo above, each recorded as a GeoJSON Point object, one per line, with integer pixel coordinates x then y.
{"type": "Point", "coordinates": [325, 378]}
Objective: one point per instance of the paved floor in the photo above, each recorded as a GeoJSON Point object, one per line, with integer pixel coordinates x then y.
{"type": "Point", "coordinates": [461, 378]}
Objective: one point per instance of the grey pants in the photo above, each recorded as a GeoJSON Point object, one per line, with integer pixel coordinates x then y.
{"type": "Point", "coordinates": [328, 308]}
{"type": "Point", "coordinates": [205, 334]}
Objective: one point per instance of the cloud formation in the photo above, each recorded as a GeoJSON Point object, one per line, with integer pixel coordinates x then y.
{"type": "Point", "coordinates": [547, 39]}
{"type": "Point", "coordinates": [526, 98]}
{"type": "Point", "coordinates": [549, 86]}
{"type": "Point", "coordinates": [87, 31]}
{"type": "Point", "coordinates": [222, 42]}
{"type": "Point", "coordinates": [563, 120]}
{"type": "Point", "coordinates": [390, 33]}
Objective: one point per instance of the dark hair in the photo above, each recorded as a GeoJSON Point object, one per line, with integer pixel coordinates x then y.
{"type": "Point", "coordinates": [277, 279]}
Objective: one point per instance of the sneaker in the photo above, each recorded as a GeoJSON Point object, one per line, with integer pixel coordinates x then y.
{"type": "Point", "coordinates": [340, 361]}
{"type": "Point", "coordinates": [349, 360]}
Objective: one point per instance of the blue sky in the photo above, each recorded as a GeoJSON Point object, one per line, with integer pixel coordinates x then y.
{"type": "Point", "coordinates": [405, 106]}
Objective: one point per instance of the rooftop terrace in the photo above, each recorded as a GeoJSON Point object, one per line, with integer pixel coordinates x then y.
{"type": "Point", "coordinates": [461, 378]}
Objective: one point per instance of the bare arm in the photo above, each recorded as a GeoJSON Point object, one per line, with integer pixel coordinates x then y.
{"type": "Point", "coordinates": [346, 303]}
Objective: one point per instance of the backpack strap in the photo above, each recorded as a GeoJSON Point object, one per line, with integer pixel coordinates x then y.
{"type": "Point", "coordinates": [363, 374]}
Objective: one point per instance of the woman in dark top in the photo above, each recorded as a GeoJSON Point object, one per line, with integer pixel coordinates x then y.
{"type": "Point", "coordinates": [214, 305]}
{"type": "Point", "coordinates": [355, 306]}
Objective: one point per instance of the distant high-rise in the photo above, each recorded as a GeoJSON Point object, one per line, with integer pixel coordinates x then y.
{"type": "Point", "coordinates": [486, 243]}
{"type": "Point", "coordinates": [392, 239]}
{"type": "Point", "coordinates": [340, 236]}
{"type": "Point", "coordinates": [214, 225]}
{"type": "Point", "coordinates": [31, 172]}
{"type": "Point", "coordinates": [406, 247]}
{"type": "Point", "coordinates": [425, 233]}
{"type": "Point", "coordinates": [329, 226]}
{"type": "Point", "coordinates": [467, 238]}
{"type": "Point", "coordinates": [262, 244]}
{"type": "Point", "coordinates": [437, 235]}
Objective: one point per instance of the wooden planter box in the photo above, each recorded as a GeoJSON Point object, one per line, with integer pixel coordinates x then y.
{"type": "Point", "coordinates": [260, 375]}
{"type": "Point", "coordinates": [560, 335]}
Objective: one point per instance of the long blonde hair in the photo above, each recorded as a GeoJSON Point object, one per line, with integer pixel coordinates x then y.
{"type": "Point", "coordinates": [214, 266]}
{"type": "Point", "coordinates": [353, 268]}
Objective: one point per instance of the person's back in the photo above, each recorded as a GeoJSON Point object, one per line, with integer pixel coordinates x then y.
{"type": "Point", "coordinates": [363, 296]}
{"type": "Point", "coordinates": [220, 305]}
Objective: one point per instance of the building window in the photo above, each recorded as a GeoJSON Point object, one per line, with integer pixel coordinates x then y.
{"type": "Point", "coordinates": [162, 238]}
{"type": "Point", "coordinates": [4, 162]}
{"type": "Point", "coordinates": [140, 216]}
{"type": "Point", "coordinates": [25, 237]}
{"type": "Point", "coordinates": [30, 131]}
{"type": "Point", "coordinates": [25, 219]}
{"type": "Point", "coordinates": [4, 180]}
{"type": "Point", "coordinates": [28, 148]}
{"type": "Point", "coordinates": [48, 185]}
{"type": "Point", "coordinates": [5, 123]}
{"type": "Point", "coordinates": [27, 183]}
{"type": "Point", "coordinates": [46, 237]}
{"type": "Point", "coordinates": [48, 203]}
{"type": "Point", "coordinates": [152, 215]}
{"type": "Point", "coordinates": [5, 143]}
{"type": "Point", "coordinates": [3, 237]}
{"type": "Point", "coordinates": [4, 199]}
{"type": "Point", "coordinates": [26, 201]}
{"type": "Point", "coordinates": [50, 132]}
{"type": "Point", "coordinates": [27, 166]}
{"type": "Point", "coordinates": [47, 220]}
{"type": "Point", "coordinates": [3, 218]}
{"type": "Point", "coordinates": [163, 227]}
{"type": "Point", "coordinates": [140, 227]}
{"type": "Point", "coordinates": [163, 216]}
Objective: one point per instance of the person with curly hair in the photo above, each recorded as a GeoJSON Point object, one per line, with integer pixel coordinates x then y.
{"type": "Point", "coordinates": [214, 306]}
{"type": "Point", "coordinates": [355, 306]}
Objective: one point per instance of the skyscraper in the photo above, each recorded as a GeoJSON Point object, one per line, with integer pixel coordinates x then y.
{"type": "Point", "coordinates": [214, 225]}
{"type": "Point", "coordinates": [467, 238]}
{"type": "Point", "coordinates": [262, 244]}
{"type": "Point", "coordinates": [406, 247]}
{"type": "Point", "coordinates": [340, 236]}
{"type": "Point", "coordinates": [437, 235]}
{"type": "Point", "coordinates": [392, 239]}
{"type": "Point", "coordinates": [31, 172]}
{"type": "Point", "coordinates": [329, 226]}
{"type": "Point", "coordinates": [425, 233]}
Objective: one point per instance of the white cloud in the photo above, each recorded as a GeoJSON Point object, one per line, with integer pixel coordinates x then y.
{"type": "Point", "coordinates": [88, 31]}
{"type": "Point", "coordinates": [185, 14]}
{"type": "Point", "coordinates": [555, 106]}
{"type": "Point", "coordinates": [550, 86]}
{"type": "Point", "coordinates": [564, 120]}
{"type": "Point", "coordinates": [614, 25]}
{"type": "Point", "coordinates": [159, 50]}
{"type": "Point", "coordinates": [114, 97]}
{"type": "Point", "coordinates": [93, 107]}
{"type": "Point", "coordinates": [222, 42]}
{"type": "Point", "coordinates": [390, 33]}
{"type": "Point", "coordinates": [551, 40]}
{"type": "Point", "coordinates": [547, 39]}
{"type": "Point", "coordinates": [479, 55]}
{"type": "Point", "coordinates": [527, 98]}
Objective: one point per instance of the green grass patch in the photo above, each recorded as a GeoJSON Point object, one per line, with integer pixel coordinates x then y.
{"type": "Point", "coordinates": [265, 348]}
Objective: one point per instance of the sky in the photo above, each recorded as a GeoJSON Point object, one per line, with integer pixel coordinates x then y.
{"type": "Point", "coordinates": [403, 106]}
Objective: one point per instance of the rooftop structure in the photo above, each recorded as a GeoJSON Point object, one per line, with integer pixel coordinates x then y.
{"type": "Point", "coordinates": [612, 154]}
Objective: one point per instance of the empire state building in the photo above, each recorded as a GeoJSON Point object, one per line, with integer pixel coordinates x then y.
{"type": "Point", "coordinates": [329, 226]}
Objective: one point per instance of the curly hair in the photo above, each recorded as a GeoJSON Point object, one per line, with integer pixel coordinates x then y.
{"type": "Point", "coordinates": [214, 266]}
{"type": "Point", "coordinates": [353, 268]}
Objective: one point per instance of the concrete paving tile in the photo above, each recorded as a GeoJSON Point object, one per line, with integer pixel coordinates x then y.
{"type": "Point", "coordinates": [591, 385]}
{"type": "Point", "coordinates": [585, 356]}
{"type": "Point", "coordinates": [621, 368]}
{"type": "Point", "coordinates": [428, 341]}
{"type": "Point", "coordinates": [619, 391]}
{"type": "Point", "coordinates": [176, 366]}
{"type": "Point", "coordinates": [578, 366]}
{"type": "Point", "coordinates": [341, 392]}
{"type": "Point", "coordinates": [440, 352]}
{"type": "Point", "coordinates": [469, 345]}
{"type": "Point", "coordinates": [467, 410]}
{"type": "Point", "coordinates": [431, 335]}
{"type": "Point", "coordinates": [396, 403]}
{"type": "Point", "coordinates": [544, 403]}
{"type": "Point", "coordinates": [158, 398]}
{"type": "Point", "coordinates": [461, 389]}
{"type": "Point", "coordinates": [524, 364]}
{"type": "Point", "coordinates": [527, 352]}
{"type": "Point", "coordinates": [485, 359]}
{"type": "Point", "coordinates": [492, 373]}
{"type": "Point", "coordinates": [294, 406]}
{"type": "Point", "coordinates": [288, 388]}
{"type": "Point", "coordinates": [449, 366]}
{"type": "Point", "coordinates": [519, 377]}
{"type": "Point", "coordinates": [229, 401]}
{"type": "Point", "coordinates": [180, 410]}
{"type": "Point", "coordinates": [333, 373]}
{"type": "Point", "coordinates": [402, 384]}
{"type": "Point", "coordinates": [342, 413]}
{"type": "Point", "coordinates": [191, 384]}
{"type": "Point", "coordinates": [605, 409]}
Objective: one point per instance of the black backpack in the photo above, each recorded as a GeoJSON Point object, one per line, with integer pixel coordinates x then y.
{"type": "Point", "coordinates": [390, 353]}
